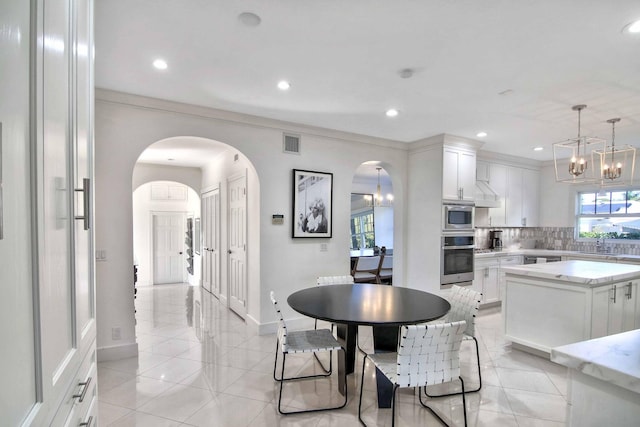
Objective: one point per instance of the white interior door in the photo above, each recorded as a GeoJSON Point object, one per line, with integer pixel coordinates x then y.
{"type": "Point", "coordinates": [211, 242]}
{"type": "Point", "coordinates": [168, 248]}
{"type": "Point", "coordinates": [238, 245]}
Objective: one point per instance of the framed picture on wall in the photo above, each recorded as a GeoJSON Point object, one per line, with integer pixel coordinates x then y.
{"type": "Point", "coordinates": [312, 204]}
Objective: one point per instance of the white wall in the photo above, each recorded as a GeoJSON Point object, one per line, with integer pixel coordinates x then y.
{"type": "Point", "coordinates": [127, 124]}
{"type": "Point", "coordinates": [143, 207]}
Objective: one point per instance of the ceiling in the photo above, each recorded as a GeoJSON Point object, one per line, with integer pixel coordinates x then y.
{"type": "Point", "coordinates": [511, 69]}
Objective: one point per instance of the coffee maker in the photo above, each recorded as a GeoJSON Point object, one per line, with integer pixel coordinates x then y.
{"type": "Point", "coordinates": [495, 239]}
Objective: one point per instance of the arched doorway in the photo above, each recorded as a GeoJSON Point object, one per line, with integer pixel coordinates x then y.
{"type": "Point", "coordinates": [372, 213]}
{"type": "Point", "coordinates": [210, 168]}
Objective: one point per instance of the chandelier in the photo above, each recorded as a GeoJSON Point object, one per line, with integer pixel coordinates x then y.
{"type": "Point", "coordinates": [574, 158]}
{"type": "Point", "coordinates": [617, 164]}
{"type": "Point", "coordinates": [377, 199]}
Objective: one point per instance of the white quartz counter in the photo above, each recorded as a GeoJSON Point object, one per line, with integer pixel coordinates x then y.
{"type": "Point", "coordinates": [587, 273]}
{"type": "Point", "coordinates": [614, 359]}
{"type": "Point", "coordinates": [603, 385]}
{"type": "Point", "coordinates": [550, 252]}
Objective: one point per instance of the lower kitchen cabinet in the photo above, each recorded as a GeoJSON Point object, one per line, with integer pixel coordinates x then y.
{"type": "Point", "coordinates": [489, 278]}
{"type": "Point", "coordinates": [615, 309]}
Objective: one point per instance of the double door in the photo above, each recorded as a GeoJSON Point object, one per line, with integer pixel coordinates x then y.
{"type": "Point", "coordinates": [211, 242]}
{"type": "Point", "coordinates": [615, 309]}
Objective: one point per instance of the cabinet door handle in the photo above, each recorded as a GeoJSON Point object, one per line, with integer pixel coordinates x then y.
{"type": "Point", "coordinates": [629, 290]}
{"type": "Point", "coordinates": [87, 423]}
{"type": "Point", "coordinates": [614, 289]}
{"type": "Point", "coordinates": [85, 387]}
{"type": "Point", "coordinates": [86, 188]}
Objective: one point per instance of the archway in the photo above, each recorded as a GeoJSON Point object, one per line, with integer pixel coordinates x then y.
{"type": "Point", "coordinates": [206, 166]}
{"type": "Point", "coordinates": [372, 214]}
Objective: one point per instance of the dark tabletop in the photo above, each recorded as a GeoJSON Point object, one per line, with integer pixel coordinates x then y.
{"type": "Point", "coordinates": [368, 304]}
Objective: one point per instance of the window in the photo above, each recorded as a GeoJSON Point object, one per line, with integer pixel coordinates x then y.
{"type": "Point", "coordinates": [609, 214]}
{"type": "Point", "coordinates": [362, 234]}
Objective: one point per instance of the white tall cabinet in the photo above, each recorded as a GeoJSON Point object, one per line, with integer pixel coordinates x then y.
{"type": "Point", "coordinates": [48, 329]}
{"type": "Point", "coordinates": [459, 174]}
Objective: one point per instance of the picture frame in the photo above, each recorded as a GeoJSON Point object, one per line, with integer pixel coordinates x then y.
{"type": "Point", "coordinates": [312, 195]}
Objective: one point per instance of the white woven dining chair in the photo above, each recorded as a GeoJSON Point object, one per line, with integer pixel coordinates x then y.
{"type": "Point", "coordinates": [325, 281]}
{"type": "Point", "coordinates": [427, 354]}
{"type": "Point", "coordinates": [465, 303]}
{"type": "Point", "coordinates": [309, 341]}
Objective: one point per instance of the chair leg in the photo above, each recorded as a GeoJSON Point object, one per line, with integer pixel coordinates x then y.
{"type": "Point", "coordinates": [341, 383]}
{"type": "Point", "coordinates": [468, 391]}
{"type": "Point", "coordinates": [393, 397]}
{"type": "Point", "coordinates": [464, 405]}
{"type": "Point", "coordinates": [364, 361]}
{"type": "Point", "coordinates": [282, 378]}
{"type": "Point", "coordinates": [326, 371]}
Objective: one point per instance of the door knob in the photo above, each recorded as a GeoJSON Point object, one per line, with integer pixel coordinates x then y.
{"type": "Point", "coordinates": [229, 251]}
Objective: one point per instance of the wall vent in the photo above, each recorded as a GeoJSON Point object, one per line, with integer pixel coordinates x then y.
{"type": "Point", "coordinates": [291, 143]}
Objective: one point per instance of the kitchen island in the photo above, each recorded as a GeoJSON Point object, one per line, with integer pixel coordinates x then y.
{"type": "Point", "coordinates": [554, 304]}
{"type": "Point", "coordinates": [604, 380]}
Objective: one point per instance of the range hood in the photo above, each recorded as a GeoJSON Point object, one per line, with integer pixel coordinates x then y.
{"type": "Point", "coordinates": [486, 197]}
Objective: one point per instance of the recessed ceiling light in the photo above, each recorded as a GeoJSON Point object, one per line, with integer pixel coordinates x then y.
{"type": "Point", "coordinates": [538, 149]}
{"type": "Point", "coordinates": [249, 19]}
{"type": "Point", "coordinates": [283, 85]}
{"type": "Point", "coordinates": [632, 28]}
{"type": "Point", "coordinates": [160, 64]}
{"type": "Point", "coordinates": [481, 134]}
{"type": "Point", "coordinates": [391, 112]}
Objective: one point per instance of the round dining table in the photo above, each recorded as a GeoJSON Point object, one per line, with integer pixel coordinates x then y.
{"type": "Point", "coordinates": [381, 306]}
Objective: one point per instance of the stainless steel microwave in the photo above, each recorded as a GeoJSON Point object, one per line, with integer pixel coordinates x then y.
{"type": "Point", "coordinates": [457, 217]}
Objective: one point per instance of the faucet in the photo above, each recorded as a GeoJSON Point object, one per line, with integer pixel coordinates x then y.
{"type": "Point", "coordinates": [601, 246]}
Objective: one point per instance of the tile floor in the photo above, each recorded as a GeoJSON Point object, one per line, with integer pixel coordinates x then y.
{"type": "Point", "coordinates": [198, 365]}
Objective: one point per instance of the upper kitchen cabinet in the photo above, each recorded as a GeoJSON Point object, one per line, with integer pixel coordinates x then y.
{"type": "Point", "coordinates": [520, 189]}
{"type": "Point", "coordinates": [458, 174]}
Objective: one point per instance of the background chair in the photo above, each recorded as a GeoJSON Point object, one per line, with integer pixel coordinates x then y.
{"type": "Point", "coordinates": [386, 269]}
{"type": "Point", "coordinates": [311, 341]}
{"type": "Point", "coordinates": [465, 303]}
{"type": "Point", "coordinates": [367, 269]}
{"type": "Point", "coordinates": [427, 354]}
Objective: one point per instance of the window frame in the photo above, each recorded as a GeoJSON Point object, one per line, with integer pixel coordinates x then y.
{"type": "Point", "coordinates": [605, 235]}
{"type": "Point", "coordinates": [361, 234]}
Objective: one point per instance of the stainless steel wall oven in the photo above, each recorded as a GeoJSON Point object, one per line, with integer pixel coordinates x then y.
{"type": "Point", "coordinates": [456, 265]}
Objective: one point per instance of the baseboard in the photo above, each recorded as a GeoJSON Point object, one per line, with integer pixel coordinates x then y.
{"type": "Point", "coordinates": [117, 352]}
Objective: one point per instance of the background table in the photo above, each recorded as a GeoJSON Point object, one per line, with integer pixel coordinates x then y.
{"type": "Point", "coordinates": [383, 307]}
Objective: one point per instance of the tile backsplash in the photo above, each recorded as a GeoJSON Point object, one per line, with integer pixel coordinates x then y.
{"type": "Point", "coordinates": [558, 238]}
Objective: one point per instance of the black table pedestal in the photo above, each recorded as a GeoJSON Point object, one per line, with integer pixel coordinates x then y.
{"type": "Point", "coordinates": [347, 335]}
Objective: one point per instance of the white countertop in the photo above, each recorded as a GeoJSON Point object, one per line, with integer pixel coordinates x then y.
{"type": "Point", "coordinates": [588, 273]}
{"type": "Point", "coordinates": [614, 359]}
{"type": "Point", "coordinates": [552, 252]}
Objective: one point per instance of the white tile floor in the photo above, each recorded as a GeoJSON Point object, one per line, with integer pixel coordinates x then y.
{"type": "Point", "coordinates": [199, 365]}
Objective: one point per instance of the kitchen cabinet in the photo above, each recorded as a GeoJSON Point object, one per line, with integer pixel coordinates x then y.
{"type": "Point", "coordinates": [486, 274]}
{"type": "Point", "coordinates": [48, 325]}
{"type": "Point", "coordinates": [498, 181]}
{"type": "Point", "coordinates": [489, 277]}
{"type": "Point", "coordinates": [459, 174]}
{"type": "Point", "coordinates": [554, 304]}
{"type": "Point", "coordinates": [615, 309]}
{"type": "Point", "coordinates": [520, 189]}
